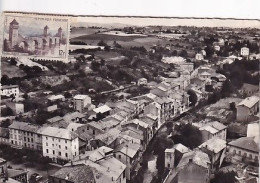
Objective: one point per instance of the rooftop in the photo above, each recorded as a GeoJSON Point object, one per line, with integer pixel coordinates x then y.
{"type": "Point", "coordinates": [181, 148]}
{"type": "Point", "coordinates": [102, 109]}
{"type": "Point", "coordinates": [245, 143]}
{"type": "Point", "coordinates": [8, 86]}
{"type": "Point", "coordinates": [129, 149]}
{"type": "Point", "coordinates": [217, 125]}
{"type": "Point", "coordinates": [80, 173]}
{"type": "Point", "coordinates": [58, 133]}
{"type": "Point", "coordinates": [210, 129]}
{"type": "Point", "coordinates": [197, 157]}
{"type": "Point", "coordinates": [24, 126]}
{"type": "Point", "coordinates": [249, 101]}
{"type": "Point", "coordinates": [215, 145]}
{"type": "Point", "coordinates": [80, 97]}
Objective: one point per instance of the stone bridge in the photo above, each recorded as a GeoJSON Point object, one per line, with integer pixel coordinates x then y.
{"type": "Point", "coordinates": [39, 42]}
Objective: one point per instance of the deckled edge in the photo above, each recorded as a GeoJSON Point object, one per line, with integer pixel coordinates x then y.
{"type": "Point", "coordinates": [41, 58]}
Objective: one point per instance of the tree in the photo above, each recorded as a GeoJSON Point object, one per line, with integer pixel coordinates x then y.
{"type": "Point", "coordinates": [13, 61]}
{"type": "Point", "coordinates": [183, 53]}
{"type": "Point", "coordinates": [189, 135]}
{"type": "Point", "coordinates": [101, 43]}
{"type": "Point", "coordinates": [192, 97]}
{"type": "Point", "coordinates": [221, 177]}
{"type": "Point", "coordinates": [5, 80]}
{"type": "Point", "coordinates": [227, 89]}
{"type": "Point", "coordinates": [67, 95]}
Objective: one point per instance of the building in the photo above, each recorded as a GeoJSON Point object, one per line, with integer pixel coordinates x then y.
{"type": "Point", "coordinates": [244, 149]}
{"type": "Point", "coordinates": [199, 56]}
{"type": "Point", "coordinates": [56, 98]}
{"type": "Point", "coordinates": [81, 102]}
{"type": "Point", "coordinates": [174, 155]}
{"type": "Point", "coordinates": [249, 89]}
{"type": "Point", "coordinates": [193, 167]}
{"type": "Point", "coordinates": [129, 153]}
{"type": "Point", "coordinates": [25, 135]}
{"type": "Point", "coordinates": [15, 107]}
{"type": "Point", "coordinates": [248, 107]}
{"type": "Point", "coordinates": [253, 130]}
{"type": "Point", "coordinates": [244, 52]}
{"type": "Point", "coordinates": [142, 81]}
{"type": "Point", "coordinates": [79, 173]}
{"type": "Point", "coordinates": [107, 167]}
{"type": "Point", "coordinates": [59, 144]}
{"type": "Point", "coordinates": [4, 136]}
{"type": "Point", "coordinates": [215, 148]}
{"type": "Point", "coordinates": [212, 130]}
{"type": "Point", "coordinates": [8, 90]}
{"type": "Point", "coordinates": [217, 47]}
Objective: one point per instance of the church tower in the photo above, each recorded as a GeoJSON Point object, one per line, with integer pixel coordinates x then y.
{"type": "Point", "coordinates": [60, 33]}
{"type": "Point", "coordinates": [13, 33]}
{"type": "Point", "coordinates": [45, 31]}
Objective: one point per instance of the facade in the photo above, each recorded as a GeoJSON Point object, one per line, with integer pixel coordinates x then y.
{"type": "Point", "coordinates": [4, 136]}
{"type": "Point", "coordinates": [59, 144]}
{"type": "Point", "coordinates": [249, 89]}
{"type": "Point", "coordinates": [8, 90]}
{"type": "Point", "coordinates": [248, 107]}
{"type": "Point", "coordinates": [213, 130]}
{"type": "Point", "coordinates": [129, 154]}
{"type": "Point", "coordinates": [244, 149]}
{"type": "Point", "coordinates": [25, 135]}
{"type": "Point", "coordinates": [244, 52]}
{"type": "Point", "coordinates": [80, 102]}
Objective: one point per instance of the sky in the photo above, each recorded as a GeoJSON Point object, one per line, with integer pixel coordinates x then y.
{"type": "Point", "coordinates": [77, 21]}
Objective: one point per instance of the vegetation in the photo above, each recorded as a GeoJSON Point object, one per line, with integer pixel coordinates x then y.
{"type": "Point", "coordinates": [221, 177]}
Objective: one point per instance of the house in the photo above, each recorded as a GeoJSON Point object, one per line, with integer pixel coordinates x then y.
{"type": "Point", "coordinates": [142, 81]}
{"type": "Point", "coordinates": [244, 149]}
{"type": "Point", "coordinates": [103, 110]}
{"type": "Point", "coordinates": [25, 135]}
{"type": "Point", "coordinates": [212, 130]}
{"type": "Point", "coordinates": [109, 139]}
{"type": "Point", "coordinates": [56, 98]}
{"type": "Point", "coordinates": [204, 75]}
{"type": "Point", "coordinates": [54, 120]}
{"type": "Point", "coordinates": [74, 117]}
{"type": "Point", "coordinates": [4, 136]}
{"type": "Point", "coordinates": [199, 56]}
{"type": "Point", "coordinates": [160, 91]}
{"type": "Point", "coordinates": [174, 155]}
{"type": "Point", "coordinates": [79, 173]}
{"type": "Point", "coordinates": [215, 148]}
{"type": "Point", "coordinates": [107, 168]}
{"type": "Point", "coordinates": [132, 135]}
{"type": "Point", "coordinates": [15, 107]}
{"type": "Point", "coordinates": [138, 124]}
{"type": "Point", "coordinates": [248, 107]}
{"type": "Point", "coordinates": [193, 167]}
{"type": "Point", "coordinates": [244, 52]}
{"type": "Point", "coordinates": [129, 154]}
{"type": "Point", "coordinates": [59, 144]}
{"type": "Point", "coordinates": [8, 90]}
{"type": "Point", "coordinates": [81, 102]}
{"type": "Point", "coordinates": [186, 66]}
{"type": "Point", "coordinates": [249, 89]}
{"type": "Point", "coordinates": [154, 109]}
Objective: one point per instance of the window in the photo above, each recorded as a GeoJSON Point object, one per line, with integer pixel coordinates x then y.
{"type": "Point", "coordinates": [59, 153]}
{"type": "Point", "coordinates": [24, 138]}
{"type": "Point", "coordinates": [53, 152]}
{"type": "Point", "coordinates": [169, 165]}
{"type": "Point", "coordinates": [75, 147]}
{"type": "Point", "coordinates": [119, 156]}
{"type": "Point", "coordinates": [66, 147]}
{"type": "Point", "coordinates": [31, 139]}
{"type": "Point", "coordinates": [66, 154]}
{"type": "Point", "coordinates": [87, 127]}
{"type": "Point", "coordinates": [46, 144]}
{"type": "Point", "coordinates": [59, 146]}
{"type": "Point", "coordinates": [52, 145]}
{"type": "Point", "coordinates": [46, 138]}
{"type": "Point", "coordinates": [75, 153]}
{"type": "Point", "coordinates": [28, 139]}
{"type": "Point", "coordinates": [234, 151]}
{"type": "Point", "coordinates": [52, 139]}
{"type": "Point", "coordinates": [94, 132]}
{"type": "Point", "coordinates": [47, 150]}
{"type": "Point", "coordinates": [25, 145]}
{"type": "Point", "coordinates": [66, 141]}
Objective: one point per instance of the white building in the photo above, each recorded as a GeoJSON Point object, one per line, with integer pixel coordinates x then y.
{"type": "Point", "coordinates": [80, 102]}
{"type": "Point", "coordinates": [142, 81]}
{"type": "Point", "coordinates": [8, 90]}
{"type": "Point", "coordinates": [245, 51]}
{"type": "Point", "coordinates": [248, 107]}
{"type": "Point", "coordinates": [59, 143]}
{"type": "Point", "coordinates": [199, 56]}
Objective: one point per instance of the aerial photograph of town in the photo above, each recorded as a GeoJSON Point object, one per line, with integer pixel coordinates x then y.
{"type": "Point", "coordinates": [138, 100]}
